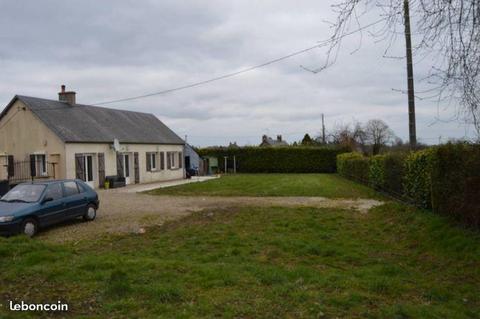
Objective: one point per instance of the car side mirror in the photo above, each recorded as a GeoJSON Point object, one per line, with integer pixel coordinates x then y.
{"type": "Point", "coordinates": [46, 200]}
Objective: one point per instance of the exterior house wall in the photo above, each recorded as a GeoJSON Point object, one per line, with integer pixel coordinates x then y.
{"type": "Point", "coordinates": [22, 134]}
{"type": "Point", "coordinates": [194, 158]}
{"type": "Point", "coordinates": [111, 160]}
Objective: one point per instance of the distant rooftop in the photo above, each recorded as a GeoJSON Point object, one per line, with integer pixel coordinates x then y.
{"type": "Point", "coordinates": [268, 141]}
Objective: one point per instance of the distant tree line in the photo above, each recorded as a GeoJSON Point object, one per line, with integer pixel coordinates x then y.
{"type": "Point", "coordinates": [369, 138]}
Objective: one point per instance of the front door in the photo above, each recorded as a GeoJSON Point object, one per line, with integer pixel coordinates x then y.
{"type": "Point", "coordinates": [88, 171]}
{"type": "Point", "coordinates": [126, 168]}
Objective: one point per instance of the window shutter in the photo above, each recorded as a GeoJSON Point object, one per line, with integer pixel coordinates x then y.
{"type": "Point", "coordinates": [162, 160]}
{"type": "Point", "coordinates": [79, 166]}
{"type": "Point", "coordinates": [11, 166]}
{"type": "Point", "coordinates": [180, 159]}
{"type": "Point", "coordinates": [169, 162]}
{"type": "Point", "coordinates": [149, 162]}
{"type": "Point", "coordinates": [101, 169]}
{"type": "Point", "coordinates": [119, 165]}
{"type": "Point", "coordinates": [136, 167]}
{"type": "Point", "coordinates": [33, 169]}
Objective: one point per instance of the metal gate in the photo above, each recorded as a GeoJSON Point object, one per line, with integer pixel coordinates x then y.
{"type": "Point", "coordinates": [19, 172]}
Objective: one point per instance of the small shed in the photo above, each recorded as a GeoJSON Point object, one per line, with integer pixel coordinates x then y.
{"type": "Point", "coordinates": [212, 165]}
{"type": "Point", "coordinates": [192, 159]}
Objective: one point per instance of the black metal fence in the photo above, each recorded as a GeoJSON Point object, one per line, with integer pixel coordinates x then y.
{"type": "Point", "coordinates": [25, 171]}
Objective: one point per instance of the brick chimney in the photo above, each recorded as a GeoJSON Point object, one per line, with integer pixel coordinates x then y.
{"type": "Point", "coordinates": [66, 96]}
{"type": "Point", "coordinates": [279, 138]}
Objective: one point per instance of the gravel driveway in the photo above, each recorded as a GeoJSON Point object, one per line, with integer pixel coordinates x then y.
{"type": "Point", "coordinates": [130, 212]}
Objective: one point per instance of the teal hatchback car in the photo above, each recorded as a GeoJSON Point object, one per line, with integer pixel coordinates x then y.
{"type": "Point", "coordinates": [28, 207]}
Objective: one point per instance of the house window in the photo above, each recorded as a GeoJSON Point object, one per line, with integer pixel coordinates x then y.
{"type": "Point", "coordinates": [126, 165]}
{"type": "Point", "coordinates": [88, 168]}
{"type": "Point", "coordinates": [152, 162]}
{"type": "Point", "coordinates": [41, 165]}
{"type": "Point", "coordinates": [85, 167]}
{"type": "Point", "coordinates": [173, 160]}
{"type": "Point", "coordinates": [170, 160]}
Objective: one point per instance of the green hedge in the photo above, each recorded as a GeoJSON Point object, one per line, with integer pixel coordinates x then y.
{"type": "Point", "coordinates": [417, 182]}
{"type": "Point", "coordinates": [376, 173]}
{"type": "Point", "coordinates": [354, 166]}
{"type": "Point", "coordinates": [456, 182]}
{"type": "Point", "coordinates": [394, 173]}
{"type": "Point", "coordinates": [387, 173]}
{"type": "Point", "coordinates": [445, 178]}
{"type": "Point", "coordinates": [277, 159]}
{"type": "Point", "coordinates": [382, 172]}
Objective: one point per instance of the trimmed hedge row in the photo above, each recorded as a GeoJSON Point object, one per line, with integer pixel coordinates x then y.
{"type": "Point", "coordinates": [381, 172]}
{"type": "Point", "coordinates": [456, 183]}
{"type": "Point", "coordinates": [387, 171]}
{"type": "Point", "coordinates": [445, 178]}
{"type": "Point", "coordinates": [277, 159]}
{"type": "Point", "coordinates": [417, 182]}
{"type": "Point", "coordinates": [353, 165]}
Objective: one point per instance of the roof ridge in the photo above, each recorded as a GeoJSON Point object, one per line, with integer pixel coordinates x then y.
{"type": "Point", "coordinates": [81, 105]}
{"type": "Point", "coordinates": [89, 123]}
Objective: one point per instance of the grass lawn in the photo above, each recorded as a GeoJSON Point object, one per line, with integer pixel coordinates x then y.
{"type": "Point", "coordinates": [324, 185]}
{"type": "Point", "coordinates": [394, 262]}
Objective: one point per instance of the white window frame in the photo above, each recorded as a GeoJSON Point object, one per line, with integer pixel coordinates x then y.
{"type": "Point", "coordinates": [173, 160]}
{"type": "Point", "coordinates": [41, 164]}
{"type": "Point", "coordinates": [87, 167]}
{"type": "Point", "coordinates": [153, 161]}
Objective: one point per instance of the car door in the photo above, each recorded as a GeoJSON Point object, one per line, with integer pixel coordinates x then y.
{"type": "Point", "coordinates": [75, 199]}
{"type": "Point", "coordinates": [52, 211]}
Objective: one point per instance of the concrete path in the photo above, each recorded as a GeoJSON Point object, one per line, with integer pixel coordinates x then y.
{"type": "Point", "coordinates": [138, 188]}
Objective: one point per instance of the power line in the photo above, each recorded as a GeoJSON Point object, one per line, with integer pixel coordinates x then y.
{"type": "Point", "coordinates": [239, 136]}
{"type": "Point", "coordinates": [229, 75]}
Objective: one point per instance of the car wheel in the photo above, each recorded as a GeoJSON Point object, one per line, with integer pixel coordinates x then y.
{"type": "Point", "coordinates": [91, 213]}
{"type": "Point", "coordinates": [29, 227]}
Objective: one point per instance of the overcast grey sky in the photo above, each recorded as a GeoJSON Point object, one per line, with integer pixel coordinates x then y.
{"type": "Point", "coordinates": [108, 50]}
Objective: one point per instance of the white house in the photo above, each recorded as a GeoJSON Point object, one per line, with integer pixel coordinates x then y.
{"type": "Point", "coordinates": [63, 139]}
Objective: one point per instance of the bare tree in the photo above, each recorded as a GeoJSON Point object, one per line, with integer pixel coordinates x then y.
{"type": "Point", "coordinates": [351, 136]}
{"type": "Point", "coordinates": [377, 134]}
{"type": "Point", "coordinates": [448, 33]}
{"type": "Point", "coordinates": [342, 135]}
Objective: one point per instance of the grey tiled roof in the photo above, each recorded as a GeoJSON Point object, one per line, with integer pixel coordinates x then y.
{"type": "Point", "coordinates": [93, 124]}
{"type": "Point", "coordinates": [272, 142]}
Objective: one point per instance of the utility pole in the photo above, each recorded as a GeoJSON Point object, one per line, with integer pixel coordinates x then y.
{"type": "Point", "coordinates": [411, 91]}
{"type": "Point", "coordinates": [323, 129]}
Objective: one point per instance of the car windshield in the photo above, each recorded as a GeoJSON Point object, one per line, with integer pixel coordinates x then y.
{"type": "Point", "coordinates": [24, 193]}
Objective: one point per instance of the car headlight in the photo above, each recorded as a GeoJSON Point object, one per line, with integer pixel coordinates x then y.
{"type": "Point", "coordinates": [6, 219]}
